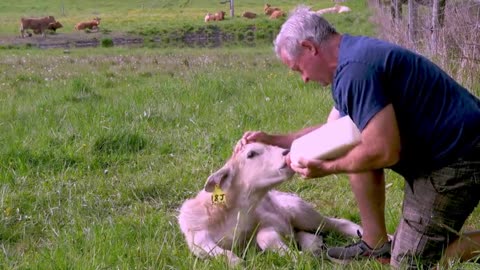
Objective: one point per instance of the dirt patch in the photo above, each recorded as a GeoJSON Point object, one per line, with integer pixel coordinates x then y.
{"type": "Point", "coordinates": [200, 37]}
{"type": "Point", "coordinates": [71, 40]}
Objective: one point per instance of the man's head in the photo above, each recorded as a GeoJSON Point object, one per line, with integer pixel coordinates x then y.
{"type": "Point", "coordinates": [302, 44]}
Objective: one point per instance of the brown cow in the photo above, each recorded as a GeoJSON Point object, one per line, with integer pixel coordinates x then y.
{"type": "Point", "coordinates": [51, 26]}
{"type": "Point", "coordinates": [269, 9]}
{"type": "Point", "coordinates": [93, 24]}
{"type": "Point", "coordinates": [220, 16]}
{"type": "Point", "coordinates": [38, 25]}
{"type": "Point", "coordinates": [249, 15]}
{"type": "Point", "coordinates": [277, 14]}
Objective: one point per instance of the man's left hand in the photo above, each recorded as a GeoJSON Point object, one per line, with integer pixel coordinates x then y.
{"type": "Point", "coordinates": [311, 168]}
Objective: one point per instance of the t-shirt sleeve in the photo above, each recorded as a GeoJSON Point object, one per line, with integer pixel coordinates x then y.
{"type": "Point", "coordinates": [359, 93]}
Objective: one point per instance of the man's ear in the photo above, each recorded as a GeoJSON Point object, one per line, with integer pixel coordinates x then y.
{"type": "Point", "coordinates": [309, 46]}
{"type": "Point", "coordinates": [222, 178]}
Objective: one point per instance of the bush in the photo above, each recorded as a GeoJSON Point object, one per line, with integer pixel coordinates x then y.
{"type": "Point", "coordinates": [107, 42]}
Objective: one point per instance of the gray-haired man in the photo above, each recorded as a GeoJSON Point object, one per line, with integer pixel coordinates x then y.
{"type": "Point", "coordinates": [414, 119]}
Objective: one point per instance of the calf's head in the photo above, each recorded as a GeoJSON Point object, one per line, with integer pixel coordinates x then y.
{"type": "Point", "coordinates": [256, 167]}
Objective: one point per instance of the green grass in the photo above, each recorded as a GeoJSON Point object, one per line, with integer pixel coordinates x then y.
{"type": "Point", "coordinates": [100, 147]}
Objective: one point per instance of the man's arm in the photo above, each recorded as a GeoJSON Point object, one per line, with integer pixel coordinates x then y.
{"type": "Point", "coordinates": [333, 115]}
{"type": "Point", "coordinates": [285, 141]}
{"type": "Point", "coordinates": [280, 140]}
{"type": "Point", "coordinates": [380, 148]}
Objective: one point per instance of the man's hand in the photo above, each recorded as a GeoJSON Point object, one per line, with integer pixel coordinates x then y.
{"type": "Point", "coordinates": [252, 136]}
{"type": "Point", "coordinates": [312, 168]}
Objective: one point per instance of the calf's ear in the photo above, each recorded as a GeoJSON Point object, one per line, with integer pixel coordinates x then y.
{"type": "Point", "coordinates": [222, 178]}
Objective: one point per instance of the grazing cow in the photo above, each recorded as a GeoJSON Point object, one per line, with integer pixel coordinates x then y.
{"type": "Point", "coordinates": [92, 25]}
{"type": "Point", "coordinates": [38, 25]}
{"type": "Point", "coordinates": [277, 14]}
{"type": "Point", "coordinates": [220, 16]}
{"type": "Point", "coordinates": [51, 26]}
{"type": "Point", "coordinates": [239, 204]}
{"type": "Point", "coordinates": [249, 15]}
{"type": "Point", "coordinates": [268, 9]}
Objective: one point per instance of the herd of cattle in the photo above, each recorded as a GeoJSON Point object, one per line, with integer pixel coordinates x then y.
{"type": "Point", "coordinates": [271, 12]}
{"type": "Point", "coordinates": [41, 25]}
{"type": "Point", "coordinates": [274, 12]}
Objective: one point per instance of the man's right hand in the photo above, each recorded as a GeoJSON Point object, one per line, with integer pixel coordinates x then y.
{"type": "Point", "coordinates": [252, 136]}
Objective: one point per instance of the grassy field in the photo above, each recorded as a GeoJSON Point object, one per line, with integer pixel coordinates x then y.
{"type": "Point", "coordinates": [100, 146]}
{"type": "Point", "coordinates": [157, 17]}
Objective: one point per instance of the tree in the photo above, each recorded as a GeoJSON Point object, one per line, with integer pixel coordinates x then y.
{"type": "Point", "coordinates": [438, 17]}
{"type": "Point", "coordinates": [412, 22]}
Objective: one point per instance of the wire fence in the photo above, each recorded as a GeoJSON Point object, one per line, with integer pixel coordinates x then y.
{"type": "Point", "coordinates": [456, 47]}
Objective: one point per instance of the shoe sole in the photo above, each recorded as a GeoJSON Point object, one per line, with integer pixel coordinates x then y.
{"type": "Point", "coordinates": [381, 260]}
{"type": "Point", "coordinates": [338, 261]}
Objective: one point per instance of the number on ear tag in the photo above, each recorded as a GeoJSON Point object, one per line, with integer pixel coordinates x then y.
{"type": "Point", "coordinates": [218, 196]}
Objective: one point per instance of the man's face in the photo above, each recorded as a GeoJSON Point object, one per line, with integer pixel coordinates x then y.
{"type": "Point", "coordinates": [310, 64]}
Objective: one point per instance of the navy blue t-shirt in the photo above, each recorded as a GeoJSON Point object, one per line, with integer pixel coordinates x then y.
{"type": "Point", "coordinates": [438, 119]}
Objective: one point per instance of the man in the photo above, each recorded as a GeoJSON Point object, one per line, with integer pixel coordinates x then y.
{"type": "Point", "coordinates": [414, 119]}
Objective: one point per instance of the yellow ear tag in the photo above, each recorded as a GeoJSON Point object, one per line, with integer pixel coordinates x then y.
{"type": "Point", "coordinates": [218, 196]}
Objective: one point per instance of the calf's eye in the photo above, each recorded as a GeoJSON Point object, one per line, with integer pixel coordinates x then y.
{"type": "Point", "coordinates": [252, 154]}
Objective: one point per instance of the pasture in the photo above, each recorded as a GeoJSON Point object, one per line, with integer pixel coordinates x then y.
{"type": "Point", "coordinates": [100, 146]}
{"type": "Point", "coordinates": [145, 15]}
{"type": "Point", "coordinates": [165, 20]}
